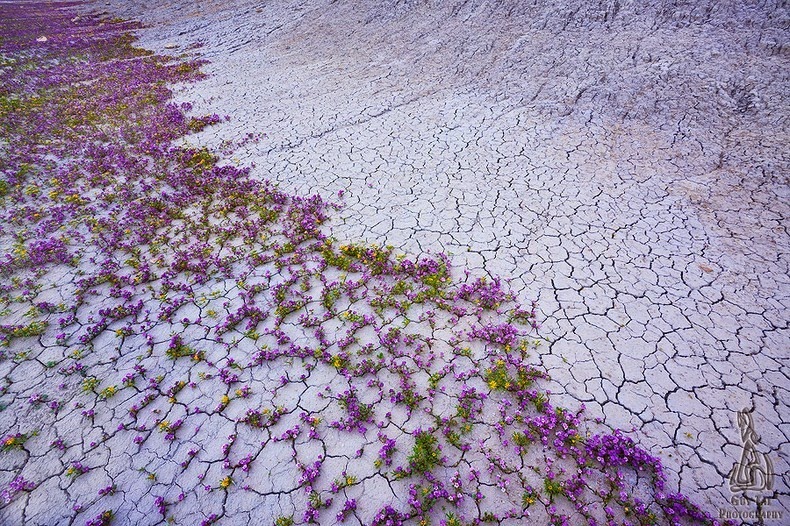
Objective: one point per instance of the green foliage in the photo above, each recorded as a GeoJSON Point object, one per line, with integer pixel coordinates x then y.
{"type": "Point", "coordinates": [201, 159]}
{"type": "Point", "coordinates": [90, 383]}
{"type": "Point", "coordinates": [553, 487]}
{"type": "Point", "coordinates": [108, 392]}
{"type": "Point", "coordinates": [498, 378]}
{"type": "Point", "coordinates": [521, 439]}
{"type": "Point", "coordinates": [329, 296]}
{"type": "Point", "coordinates": [434, 379]}
{"type": "Point", "coordinates": [541, 400]}
{"type": "Point", "coordinates": [425, 456]}
{"type": "Point", "coordinates": [528, 499]}
{"type": "Point", "coordinates": [179, 350]}
{"type": "Point", "coordinates": [15, 441]}
{"type": "Point", "coordinates": [35, 328]}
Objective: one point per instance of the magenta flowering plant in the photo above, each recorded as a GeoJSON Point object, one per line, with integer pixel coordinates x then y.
{"type": "Point", "coordinates": [102, 519]}
{"type": "Point", "coordinates": [17, 485]}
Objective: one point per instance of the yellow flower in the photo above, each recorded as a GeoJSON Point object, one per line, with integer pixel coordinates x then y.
{"type": "Point", "coordinates": [492, 384]}
{"type": "Point", "coordinates": [224, 483]}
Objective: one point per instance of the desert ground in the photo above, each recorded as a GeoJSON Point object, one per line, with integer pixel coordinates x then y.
{"type": "Point", "coordinates": [623, 165]}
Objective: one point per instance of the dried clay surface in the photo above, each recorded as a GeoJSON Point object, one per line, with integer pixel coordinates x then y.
{"type": "Point", "coordinates": [622, 164]}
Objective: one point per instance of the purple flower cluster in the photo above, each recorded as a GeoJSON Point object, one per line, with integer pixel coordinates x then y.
{"type": "Point", "coordinates": [504, 334]}
{"type": "Point", "coordinates": [616, 449]}
{"type": "Point", "coordinates": [102, 519]}
{"type": "Point", "coordinates": [389, 516]}
{"type": "Point", "coordinates": [17, 485]}
{"type": "Point", "coordinates": [486, 294]}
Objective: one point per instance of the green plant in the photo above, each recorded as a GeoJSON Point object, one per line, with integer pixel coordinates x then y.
{"type": "Point", "coordinates": [15, 441]}
{"type": "Point", "coordinates": [489, 517]}
{"type": "Point", "coordinates": [528, 498]}
{"type": "Point", "coordinates": [89, 384]}
{"type": "Point", "coordinates": [553, 487]}
{"type": "Point", "coordinates": [498, 378]}
{"type": "Point", "coordinates": [108, 392]}
{"type": "Point", "coordinates": [425, 456]}
{"type": "Point", "coordinates": [178, 350]}
{"type": "Point", "coordinates": [521, 439]}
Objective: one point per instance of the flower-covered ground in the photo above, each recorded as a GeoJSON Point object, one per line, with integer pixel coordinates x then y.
{"type": "Point", "coordinates": [183, 343]}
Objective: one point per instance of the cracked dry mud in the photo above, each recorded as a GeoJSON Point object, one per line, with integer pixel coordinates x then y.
{"type": "Point", "coordinates": [623, 165]}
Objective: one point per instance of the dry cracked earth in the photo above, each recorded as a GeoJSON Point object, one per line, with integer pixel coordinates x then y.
{"type": "Point", "coordinates": [623, 164]}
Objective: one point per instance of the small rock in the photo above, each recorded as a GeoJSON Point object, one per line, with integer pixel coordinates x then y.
{"type": "Point", "coordinates": [171, 46]}
{"type": "Point", "coordinates": [41, 39]}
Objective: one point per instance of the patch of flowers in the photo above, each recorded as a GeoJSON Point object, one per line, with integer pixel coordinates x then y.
{"type": "Point", "coordinates": [18, 485]}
